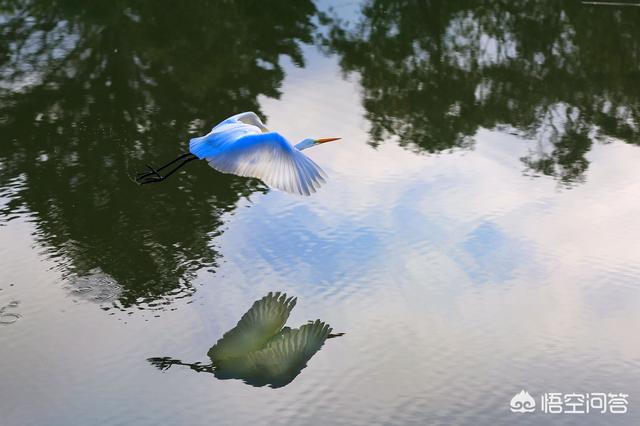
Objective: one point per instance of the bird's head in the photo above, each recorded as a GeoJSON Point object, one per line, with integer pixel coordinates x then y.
{"type": "Point", "coordinates": [309, 142]}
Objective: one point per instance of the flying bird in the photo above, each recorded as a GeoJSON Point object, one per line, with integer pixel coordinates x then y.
{"type": "Point", "coordinates": [243, 146]}
{"type": "Point", "coordinates": [260, 350]}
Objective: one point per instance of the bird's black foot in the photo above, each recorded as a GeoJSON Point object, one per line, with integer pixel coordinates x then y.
{"type": "Point", "coordinates": [162, 363]}
{"type": "Point", "coordinates": [148, 177]}
{"type": "Point", "coordinates": [145, 174]}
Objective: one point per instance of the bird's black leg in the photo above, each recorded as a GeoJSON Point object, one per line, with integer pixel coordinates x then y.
{"type": "Point", "coordinates": [155, 176]}
{"type": "Point", "coordinates": [156, 171]}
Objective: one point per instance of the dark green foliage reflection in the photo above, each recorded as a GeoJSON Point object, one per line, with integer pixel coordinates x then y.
{"type": "Point", "coordinates": [89, 90]}
{"type": "Point", "coordinates": [434, 72]}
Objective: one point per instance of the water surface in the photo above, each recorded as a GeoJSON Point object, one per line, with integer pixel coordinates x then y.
{"type": "Point", "coordinates": [478, 234]}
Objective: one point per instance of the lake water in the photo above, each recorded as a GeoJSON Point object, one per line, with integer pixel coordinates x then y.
{"type": "Point", "coordinates": [478, 235]}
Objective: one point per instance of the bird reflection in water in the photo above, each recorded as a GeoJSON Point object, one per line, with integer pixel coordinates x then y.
{"type": "Point", "coordinates": [260, 350]}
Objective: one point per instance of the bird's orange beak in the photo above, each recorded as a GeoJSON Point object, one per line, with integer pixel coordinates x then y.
{"type": "Point", "coordinates": [323, 140]}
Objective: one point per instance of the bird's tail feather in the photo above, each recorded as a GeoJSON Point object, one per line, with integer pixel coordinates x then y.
{"type": "Point", "coordinates": [200, 148]}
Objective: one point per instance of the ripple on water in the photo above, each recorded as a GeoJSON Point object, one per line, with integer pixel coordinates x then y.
{"type": "Point", "coordinates": [9, 317]}
{"type": "Point", "coordinates": [96, 286]}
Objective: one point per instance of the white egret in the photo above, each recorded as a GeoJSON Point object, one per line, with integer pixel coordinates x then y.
{"type": "Point", "coordinates": [243, 146]}
{"type": "Point", "coordinates": [259, 349]}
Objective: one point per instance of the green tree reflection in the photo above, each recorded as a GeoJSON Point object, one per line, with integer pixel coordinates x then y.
{"type": "Point", "coordinates": [88, 90]}
{"type": "Point", "coordinates": [433, 72]}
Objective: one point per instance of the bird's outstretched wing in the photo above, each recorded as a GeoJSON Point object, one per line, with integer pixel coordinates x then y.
{"type": "Point", "coordinates": [226, 133]}
{"type": "Point", "coordinates": [292, 345]}
{"type": "Point", "coordinates": [281, 361]}
{"type": "Point", "coordinates": [270, 158]}
{"type": "Point", "coordinates": [242, 149]}
{"type": "Point", "coordinates": [257, 326]}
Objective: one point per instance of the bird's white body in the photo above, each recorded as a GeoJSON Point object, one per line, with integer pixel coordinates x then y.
{"type": "Point", "coordinates": [242, 145]}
